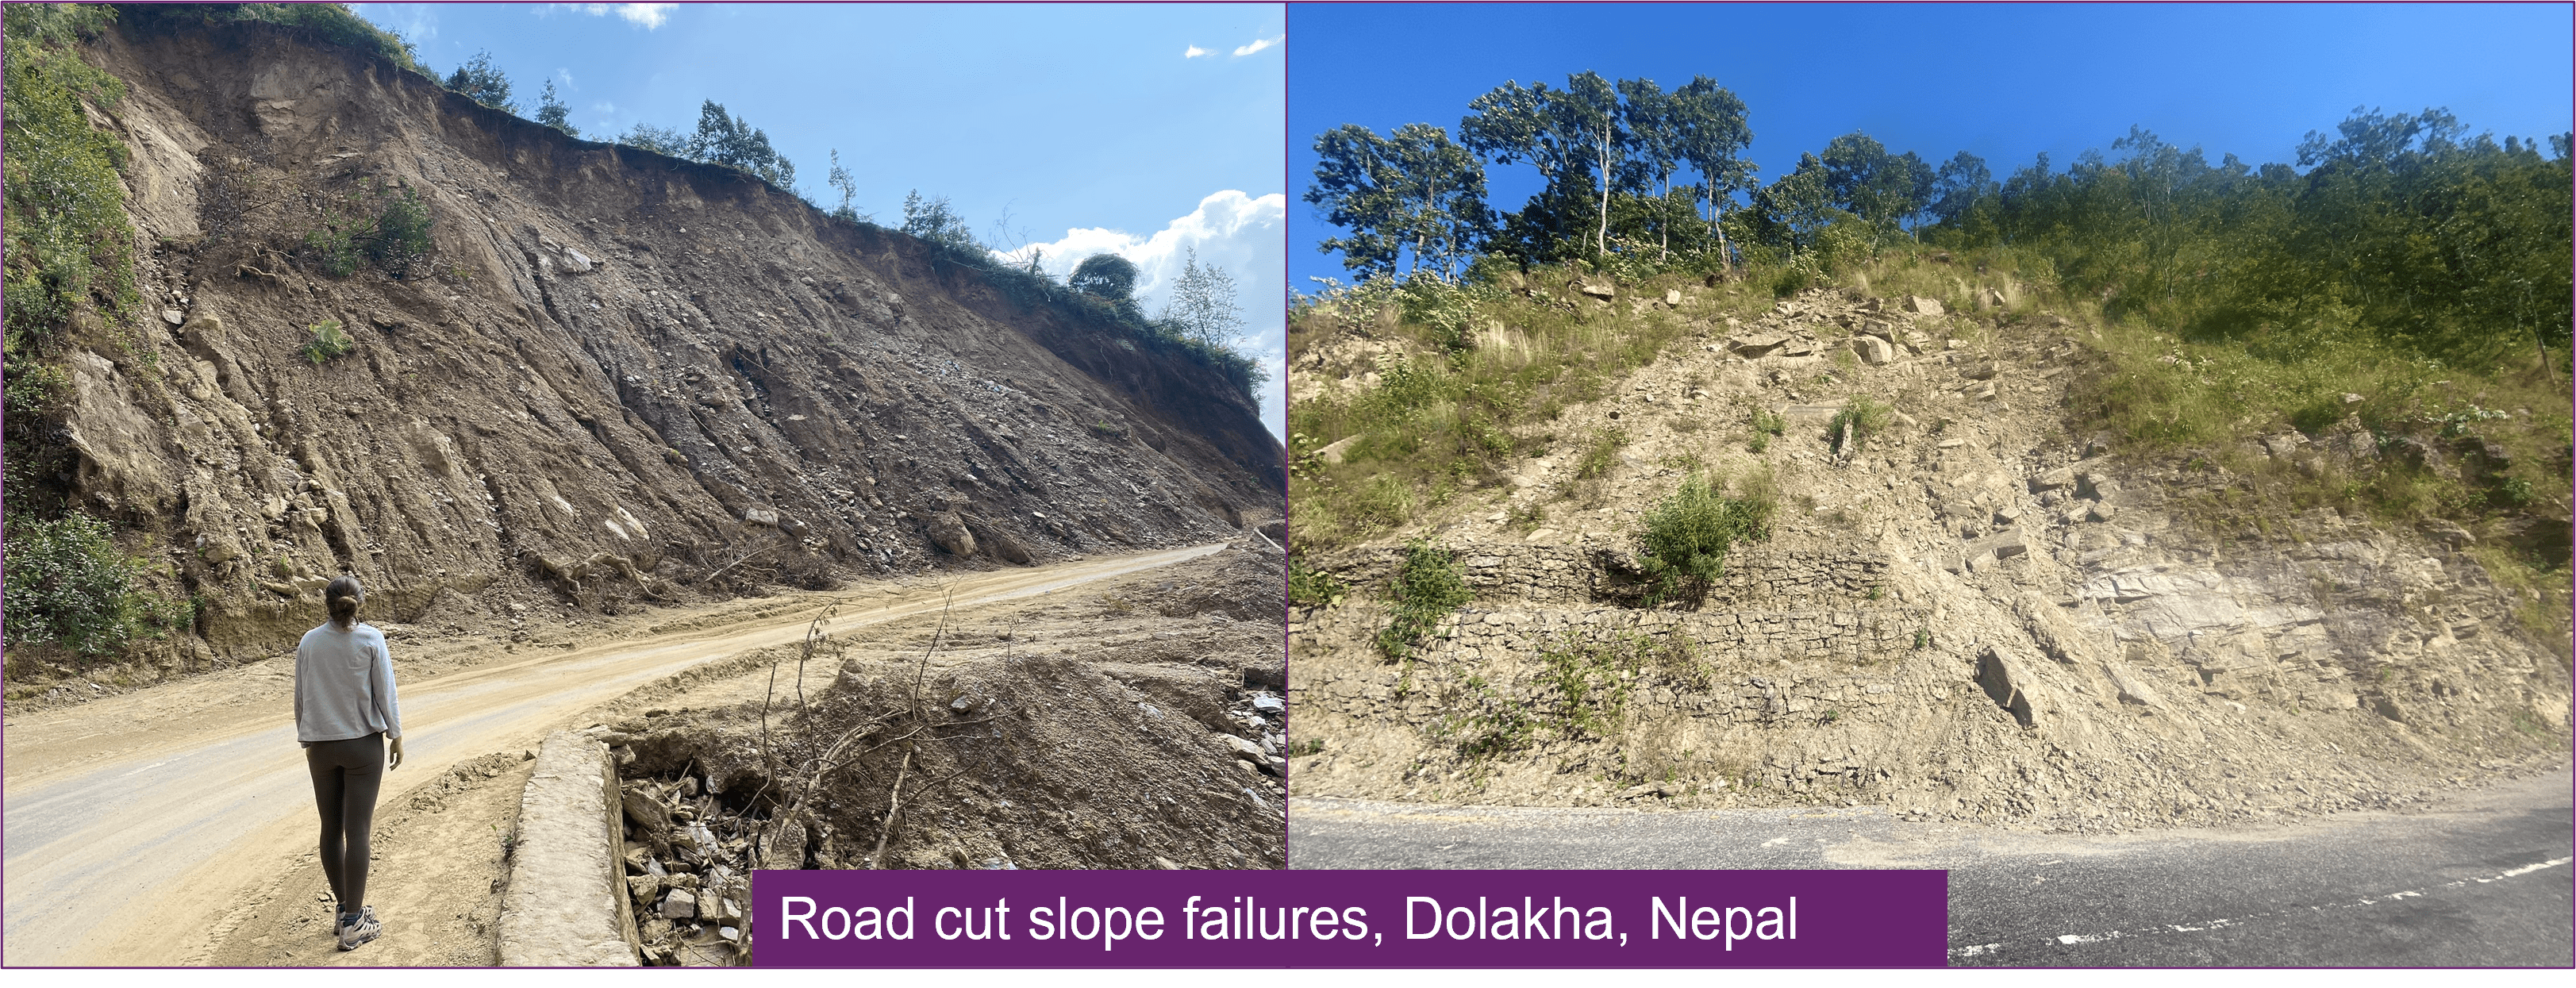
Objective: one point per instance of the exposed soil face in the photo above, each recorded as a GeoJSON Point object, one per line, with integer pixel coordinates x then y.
{"type": "Point", "coordinates": [1970, 615]}
{"type": "Point", "coordinates": [615, 380]}
{"type": "Point", "coordinates": [1087, 732]}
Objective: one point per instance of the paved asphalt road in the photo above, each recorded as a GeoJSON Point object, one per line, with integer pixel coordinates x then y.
{"type": "Point", "coordinates": [2484, 881]}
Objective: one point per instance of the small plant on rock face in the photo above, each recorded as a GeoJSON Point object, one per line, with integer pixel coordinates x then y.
{"type": "Point", "coordinates": [1426, 588]}
{"type": "Point", "coordinates": [328, 343]}
{"type": "Point", "coordinates": [1312, 587]}
{"type": "Point", "coordinates": [1601, 455]}
{"type": "Point", "coordinates": [1860, 418]}
{"type": "Point", "coordinates": [1686, 538]}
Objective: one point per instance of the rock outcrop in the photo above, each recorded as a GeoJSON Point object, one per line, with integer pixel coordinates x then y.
{"type": "Point", "coordinates": [1972, 614]}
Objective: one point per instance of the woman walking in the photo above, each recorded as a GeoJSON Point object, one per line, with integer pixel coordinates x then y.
{"type": "Point", "coordinates": [346, 717]}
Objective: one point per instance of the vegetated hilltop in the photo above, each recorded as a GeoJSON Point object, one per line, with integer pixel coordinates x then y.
{"type": "Point", "coordinates": [368, 325]}
{"type": "Point", "coordinates": [2151, 491]}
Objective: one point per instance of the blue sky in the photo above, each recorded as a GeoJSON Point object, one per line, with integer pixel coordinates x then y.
{"type": "Point", "coordinates": [1143, 129]}
{"type": "Point", "coordinates": [2004, 82]}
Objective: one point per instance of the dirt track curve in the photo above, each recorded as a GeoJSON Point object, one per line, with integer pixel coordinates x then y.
{"type": "Point", "coordinates": [131, 821]}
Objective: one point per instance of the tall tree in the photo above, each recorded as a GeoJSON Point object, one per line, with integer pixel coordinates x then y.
{"type": "Point", "coordinates": [1654, 143]}
{"type": "Point", "coordinates": [930, 218]}
{"type": "Point", "coordinates": [724, 139]}
{"type": "Point", "coordinates": [1799, 205]}
{"type": "Point", "coordinates": [1882, 189]}
{"type": "Point", "coordinates": [1204, 306]}
{"type": "Point", "coordinates": [477, 80]}
{"type": "Point", "coordinates": [1512, 124]}
{"type": "Point", "coordinates": [552, 112]}
{"type": "Point", "coordinates": [840, 181]}
{"type": "Point", "coordinates": [1440, 199]}
{"type": "Point", "coordinates": [1710, 134]}
{"type": "Point", "coordinates": [1587, 115]}
{"type": "Point", "coordinates": [1358, 185]}
{"type": "Point", "coordinates": [1957, 186]}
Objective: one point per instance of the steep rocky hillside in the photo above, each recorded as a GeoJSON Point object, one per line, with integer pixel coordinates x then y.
{"type": "Point", "coordinates": [1971, 613]}
{"type": "Point", "coordinates": [613, 379]}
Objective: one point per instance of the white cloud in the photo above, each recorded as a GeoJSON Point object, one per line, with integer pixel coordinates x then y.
{"type": "Point", "coordinates": [649, 15]}
{"type": "Point", "coordinates": [605, 107]}
{"type": "Point", "coordinates": [1243, 234]}
{"type": "Point", "coordinates": [1196, 52]}
{"type": "Point", "coordinates": [1259, 45]}
{"type": "Point", "coordinates": [418, 21]}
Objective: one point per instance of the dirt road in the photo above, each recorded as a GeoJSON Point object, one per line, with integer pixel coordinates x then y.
{"type": "Point", "coordinates": [132, 822]}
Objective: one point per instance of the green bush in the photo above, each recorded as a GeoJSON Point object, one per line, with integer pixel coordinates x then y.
{"type": "Point", "coordinates": [1768, 421]}
{"type": "Point", "coordinates": [68, 239]}
{"type": "Point", "coordinates": [1685, 539]}
{"type": "Point", "coordinates": [1589, 682]}
{"type": "Point", "coordinates": [68, 587]}
{"type": "Point", "coordinates": [1426, 588]}
{"type": "Point", "coordinates": [328, 343]}
{"type": "Point", "coordinates": [388, 228]}
{"type": "Point", "coordinates": [1312, 587]}
{"type": "Point", "coordinates": [1860, 418]}
{"type": "Point", "coordinates": [1601, 455]}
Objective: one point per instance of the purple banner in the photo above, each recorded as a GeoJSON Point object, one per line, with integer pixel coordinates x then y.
{"type": "Point", "coordinates": [1350, 919]}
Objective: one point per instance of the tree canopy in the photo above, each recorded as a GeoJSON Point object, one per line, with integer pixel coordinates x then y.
{"type": "Point", "coordinates": [1106, 276]}
{"type": "Point", "coordinates": [480, 81]}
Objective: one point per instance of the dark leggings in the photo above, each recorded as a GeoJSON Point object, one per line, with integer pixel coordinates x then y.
{"type": "Point", "coordinates": [345, 777]}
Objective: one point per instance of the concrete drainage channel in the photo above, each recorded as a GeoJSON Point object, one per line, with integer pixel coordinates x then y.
{"type": "Point", "coordinates": [567, 901]}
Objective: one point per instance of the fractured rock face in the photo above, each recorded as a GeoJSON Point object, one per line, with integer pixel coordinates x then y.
{"type": "Point", "coordinates": [2002, 676]}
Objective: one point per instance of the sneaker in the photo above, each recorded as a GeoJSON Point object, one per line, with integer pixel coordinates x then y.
{"type": "Point", "coordinates": [358, 929]}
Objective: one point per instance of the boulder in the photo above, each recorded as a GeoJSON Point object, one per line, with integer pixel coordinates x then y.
{"type": "Point", "coordinates": [1921, 306]}
{"type": "Point", "coordinates": [1332, 453]}
{"type": "Point", "coordinates": [949, 532]}
{"type": "Point", "coordinates": [680, 904]}
{"type": "Point", "coordinates": [1596, 286]}
{"type": "Point", "coordinates": [767, 517]}
{"type": "Point", "coordinates": [1672, 296]}
{"type": "Point", "coordinates": [1756, 345]}
{"type": "Point", "coordinates": [2004, 678]}
{"type": "Point", "coordinates": [2131, 688]}
{"type": "Point", "coordinates": [1872, 350]}
{"type": "Point", "coordinates": [1249, 751]}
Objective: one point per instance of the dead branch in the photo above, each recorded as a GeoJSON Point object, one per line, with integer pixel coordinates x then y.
{"type": "Point", "coordinates": [738, 560]}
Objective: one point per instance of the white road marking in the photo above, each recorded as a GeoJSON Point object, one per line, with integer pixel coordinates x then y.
{"type": "Point", "coordinates": [1775, 842]}
{"type": "Point", "coordinates": [2078, 939]}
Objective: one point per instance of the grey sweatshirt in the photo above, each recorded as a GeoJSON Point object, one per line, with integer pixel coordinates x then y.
{"type": "Point", "coordinates": [344, 686]}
